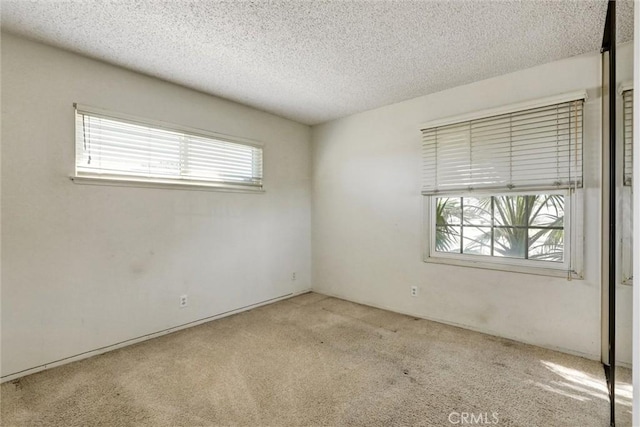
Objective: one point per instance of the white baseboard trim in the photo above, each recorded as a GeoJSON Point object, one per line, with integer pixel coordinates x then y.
{"type": "Point", "coordinates": [591, 356]}
{"type": "Point", "coordinates": [105, 349]}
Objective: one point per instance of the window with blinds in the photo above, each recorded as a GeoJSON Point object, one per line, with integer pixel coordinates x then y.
{"type": "Point", "coordinates": [500, 187]}
{"type": "Point", "coordinates": [122, 149]}
{"type": "Point", "coordinates": [534, 148]}
{"type": "Point", "coordinates": [626, 193]}
{"type": "Point", "coordinates": [627, 111]}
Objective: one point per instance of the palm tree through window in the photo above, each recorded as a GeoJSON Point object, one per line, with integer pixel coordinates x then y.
{"type": "Point", "coordinates": [513, 226]}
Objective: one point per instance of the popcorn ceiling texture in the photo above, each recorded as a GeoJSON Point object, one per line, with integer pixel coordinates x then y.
{"type": "Point", "coordinates": [314, 61]}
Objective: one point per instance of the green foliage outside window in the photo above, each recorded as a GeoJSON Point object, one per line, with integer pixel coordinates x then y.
{"type": "Point", "coordinates": [520, 226]}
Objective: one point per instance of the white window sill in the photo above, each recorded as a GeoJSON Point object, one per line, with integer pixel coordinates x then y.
{"type": "Point", "coordinates": [165, 184]}
{"type": "Point", "coordinates": [540, 271]}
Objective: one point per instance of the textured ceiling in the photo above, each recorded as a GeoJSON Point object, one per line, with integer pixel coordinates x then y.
{"type": "Point", "coordinates": [314, 61]}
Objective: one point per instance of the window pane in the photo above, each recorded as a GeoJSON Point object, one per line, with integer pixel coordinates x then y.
{"type": "Point", "coordinates": [547, 210]}
{"type": "Point", "coordinates": [627, 233]}
{"type": "Point", "coordinates": [448, 210]}
{"type": "Point", "coordinates": [510, 242]}
{"type": "Point", "coordinates": [524, 227]}
{"type": "Point", "coordinates": [477, 240]}
{"type": "Point", "coordinates": [511, 210]}
{"type": "Point", "coordinates": [477, 210]}
{"type": "Point", "coordinates": [546, 245]}
{"type": "Point", "coordinates": [448, 238]}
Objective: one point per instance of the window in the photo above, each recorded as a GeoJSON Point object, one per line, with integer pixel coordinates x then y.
{"type": "Point", "coordinates": [626, 194]}
{"type": "Point", "coordinates": [627, 132]}
{"type": "Point", "coordinates": [527, 227]}
{"type": "Point", "coordinates": [118, 148]}
{"type": "Point", "coordinates": [501, 188]}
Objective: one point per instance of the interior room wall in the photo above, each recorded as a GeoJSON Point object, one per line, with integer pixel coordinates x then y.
{"type": "Point", "coordinates": [367, 222]}
{"type": "Point", "coordinates": [635, 295]}
{"type": "Point", "coordinates": [88, 266]}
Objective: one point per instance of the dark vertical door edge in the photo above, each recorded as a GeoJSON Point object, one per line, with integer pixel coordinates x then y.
{"type": "Point", "coordinates": [609, 45]}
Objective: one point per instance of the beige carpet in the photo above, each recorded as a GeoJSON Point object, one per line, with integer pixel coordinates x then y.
{"type": "Point", "coordinates": [313, 360]}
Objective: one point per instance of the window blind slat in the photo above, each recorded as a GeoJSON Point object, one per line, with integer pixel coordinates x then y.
{"type": "Point", "coordinates": [110, 147]}
{"type": "Point", "coordinates": [627, 99]}
{"type": "Point", "coordinates": [540, 147]}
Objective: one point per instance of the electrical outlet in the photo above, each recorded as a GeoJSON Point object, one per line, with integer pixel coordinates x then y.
{"type": "Point", "coordinates": [184, 301]}
{"type": "Point", "coordinates": [293, 276]}
{"type": "Point", "coordinates": [414, 291]}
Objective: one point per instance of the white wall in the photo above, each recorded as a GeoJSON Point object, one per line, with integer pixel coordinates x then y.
{"type": "Point", "coordinates": [367, 218]}
{"type": "Point", "coordinates": [85, 267]}
{"type": "Point", "coordinates": [89, 266]}
{"type": "Point", "coordinates": [636, 217]}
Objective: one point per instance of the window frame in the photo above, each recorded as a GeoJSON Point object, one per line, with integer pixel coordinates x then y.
{"type": "Point", "coordinates": [570, 268]}
{"type": "Point", "coordinates": [624, 251]}
{"type": "Point", "coordinates": [575, 194]}
{"type": "Point", "coordinates": [132, 180]}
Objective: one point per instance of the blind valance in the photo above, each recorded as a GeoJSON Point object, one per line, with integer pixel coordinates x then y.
{"type": "Point", "coordinates": [534, 148]}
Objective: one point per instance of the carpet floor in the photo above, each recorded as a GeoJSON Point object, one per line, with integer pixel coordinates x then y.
{"type": "Point", "coordinates": [319, 361]}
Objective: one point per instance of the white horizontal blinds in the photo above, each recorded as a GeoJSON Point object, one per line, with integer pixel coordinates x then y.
{"type": "Point", "coordinates": [627, 97]}
{"type": "Point", "coordinates": [547, 146]}
{"type": "Point", "coordinates": [111, 147]}
{"type": "Point", "coordinates": [210, 159]}
{"type": "Point", "coordinates": [534, 148]}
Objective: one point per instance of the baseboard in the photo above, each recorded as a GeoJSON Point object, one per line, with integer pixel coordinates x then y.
{"type": "Point", "coordinates": [136, 340]}
{"type": "Point", "coordinates": [101, 350]}
{"type": "Point", "coordinates": [468, 327]}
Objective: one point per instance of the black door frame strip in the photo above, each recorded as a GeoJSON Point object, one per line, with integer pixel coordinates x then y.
{"type": "Point", "coordinates": [609, 45]}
